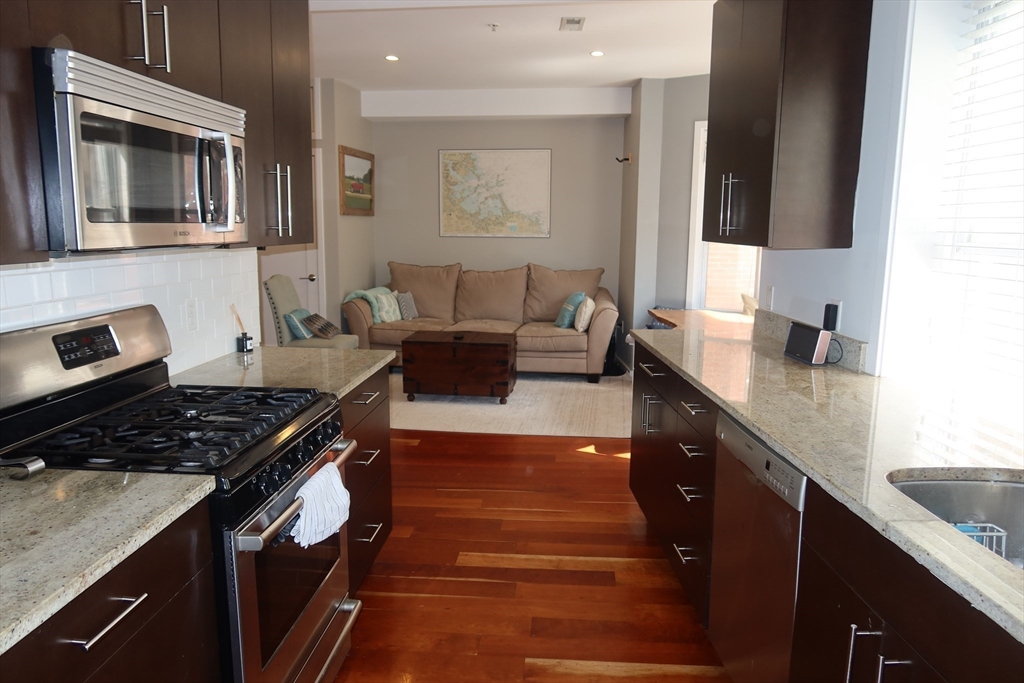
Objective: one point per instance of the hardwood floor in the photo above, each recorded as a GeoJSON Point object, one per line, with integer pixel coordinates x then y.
{"type": "Point", "coordinates": [521, 559]}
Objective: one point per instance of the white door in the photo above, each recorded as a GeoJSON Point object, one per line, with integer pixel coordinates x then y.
{"type": "Point", "coordinates": [302, 263]}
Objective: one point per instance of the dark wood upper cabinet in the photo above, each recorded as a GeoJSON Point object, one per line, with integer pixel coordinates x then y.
{"type": "Point", "coordinates": [265, 69]}
{"type": "Point", "coordinates": [193, 32]}
{"type": "Point", "coordinates": [110, 30]}
{"type": "Point", "coordinates": [784, 122]}
{"type": "Point", "coordinates": [22, 211]}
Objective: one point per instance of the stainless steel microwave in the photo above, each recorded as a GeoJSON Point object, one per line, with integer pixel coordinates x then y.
{"type": "Point", "coordinates": [131, 162]}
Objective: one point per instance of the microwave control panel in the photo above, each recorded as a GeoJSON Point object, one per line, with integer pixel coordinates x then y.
{"type": "Point", "coordinates": [86, 346]}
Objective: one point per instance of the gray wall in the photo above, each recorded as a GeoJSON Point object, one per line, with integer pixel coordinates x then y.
{"type": "Point", "coordinates": [348, 240]}
{"type": "Point", "coordinates": [686, 102]}
{"type": "Point", "coordinates": [586, 189]}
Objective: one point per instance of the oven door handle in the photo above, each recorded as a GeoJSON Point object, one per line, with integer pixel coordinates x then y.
{"type": "Point", "coordinates": [253, 542]}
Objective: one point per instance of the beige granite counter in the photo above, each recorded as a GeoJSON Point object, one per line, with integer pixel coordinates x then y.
{"type": "Point", "coordinates": [62, 530]}
{"type": "Point", "coordinates": [848, 430]}
{"type": "Point", "coordinates": [330, 370]}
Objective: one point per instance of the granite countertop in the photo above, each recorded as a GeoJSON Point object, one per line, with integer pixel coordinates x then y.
{"type": "Point", "coordinates": [330, 370]}
{"type": "Point", "coordinates": [62, 530]}
{"type": "Point", "coordinates": [848, 430]}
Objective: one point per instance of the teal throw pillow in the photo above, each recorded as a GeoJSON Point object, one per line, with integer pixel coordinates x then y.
{"type": "Point", "coordinates": [567, 314]}
{"type": "Point", "coordinates": [295, 324]}
{"type": "Point", "coordinates": [387, 305]}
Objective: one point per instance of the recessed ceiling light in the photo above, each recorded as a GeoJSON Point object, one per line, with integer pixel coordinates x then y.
{"type": "Point", "coordinates": [391, 58]}
{"type": "Point", "coordinates": [597, 53]}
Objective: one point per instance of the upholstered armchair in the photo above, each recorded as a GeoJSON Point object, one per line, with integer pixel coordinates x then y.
{"type": "Point", "coordinates": [283, 300]}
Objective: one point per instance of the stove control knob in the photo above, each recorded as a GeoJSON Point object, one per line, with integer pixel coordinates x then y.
{"type": "Point", "coordinates": [282, 472]}
{"type": "Point", "coordinates": [263, 484]}
{"type": "Point", "coordinates": [323, 434]}
{"type": "Point", "coordinates": [334, 428]}
{"type": "Point", "coordinates": [304, 452]}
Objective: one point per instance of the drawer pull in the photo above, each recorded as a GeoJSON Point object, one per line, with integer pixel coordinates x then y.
{"type": "Point", "coordinates": [854, 632]}
{"type": "Point", "coordinates": [684, 558]}
{"type": "Point", "coordinates": [693, 451]}
{"type": "Point", "coordinates": [372, 395]}
{"type": "Point", "coordinates": [367, 462]}
{"type": "Point", "coordinates": [694, 409]}
{"type": "Point", "coordinates": [883, 662]}
{"type": "Point", "coordinates": [375, 532]}
{"type": "Point", "coordinates": [647, 368]}
{"type": "Point", "coordinates": [688, 496]}
{"type": "Point", "coordinates": [88, 644]}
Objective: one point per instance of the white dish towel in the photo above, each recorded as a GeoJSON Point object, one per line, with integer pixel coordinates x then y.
{"type": "Point", "coordinates": [325, 503]}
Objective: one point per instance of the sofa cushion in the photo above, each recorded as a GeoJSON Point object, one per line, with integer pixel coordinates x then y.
{"type": "Point", "coordinates": [584, 314]}
{"type": "Point", "coordinates": [567, 313]}
{"type": "Point", "coordinates": [433, 287]}
{"type": "Point", "coordinates": [407, 305]}
{"type": "Point", "coordinates": [392, 334]}
{"type": "Point", "coordinates": [548, 289]}
{"type": "Point", "coordinates": [387, 307]}
{"type": "Point", "coordinates": [484, 325]}
{"type": "Point", "coordinates": [491, 295]}
{"type": "Point", "coordinates": [547, 337]}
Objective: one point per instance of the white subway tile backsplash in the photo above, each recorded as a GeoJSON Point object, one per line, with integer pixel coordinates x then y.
{"type": "Point", "coordinates": [64, 289]}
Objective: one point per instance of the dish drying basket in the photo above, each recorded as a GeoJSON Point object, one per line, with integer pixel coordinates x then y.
{"type": "Point", "coordinates": [989, 535]}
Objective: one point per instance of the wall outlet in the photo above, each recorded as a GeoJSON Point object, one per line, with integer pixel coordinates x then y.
{"type": "Point", "coordinates": [839, 313]}
{"type": "Point", "coordinates": [620, 325]}
{"type": "Point", "coordinates": [191, 315]}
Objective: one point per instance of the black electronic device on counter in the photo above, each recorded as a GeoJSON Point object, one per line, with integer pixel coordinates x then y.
{"type": "Point", "coordinates": [807, 344]}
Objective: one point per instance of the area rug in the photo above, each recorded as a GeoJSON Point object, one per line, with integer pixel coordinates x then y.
{"type": "Point", "coordinates": [540, 404]}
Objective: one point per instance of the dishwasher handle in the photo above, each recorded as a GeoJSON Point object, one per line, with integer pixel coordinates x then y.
{"type": "Point", "coordinates": [782, 478]}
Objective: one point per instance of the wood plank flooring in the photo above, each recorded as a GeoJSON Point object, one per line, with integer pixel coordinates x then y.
{"type": "Point", "coordinates": [521, 559]}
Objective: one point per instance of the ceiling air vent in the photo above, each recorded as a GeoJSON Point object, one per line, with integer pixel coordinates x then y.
{"type": "Point", "coordinates": [572, 24]}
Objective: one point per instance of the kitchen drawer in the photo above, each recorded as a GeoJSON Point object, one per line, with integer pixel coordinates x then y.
{"type": "Point", "coordinates": [357, 404]}
{"type": "Point", "coordinates": [693, 477]}
{"type": "Point", "coordinates": [658, 374]}
{"type": "Point", "coordinates": [368, 527]}
{"type": "Point", "coordinates": [159, 569]}
{"type": "Point", "coordinates": [373, 453]}
{"type": "Point", "coordinates": [689, 554]}
{"type": "Point", "coordinates": [697, 409]}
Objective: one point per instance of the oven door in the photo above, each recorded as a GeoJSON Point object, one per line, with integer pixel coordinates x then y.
{"type": "Point", "coordinates": [291, 609]}
{"type": "Point", "coordinates": [139, 180]}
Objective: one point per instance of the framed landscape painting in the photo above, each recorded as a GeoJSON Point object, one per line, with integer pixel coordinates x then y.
{"type": "Point", "coordinates": [495, 192]}
{"type": "Point", "coordinates": [356, 172]}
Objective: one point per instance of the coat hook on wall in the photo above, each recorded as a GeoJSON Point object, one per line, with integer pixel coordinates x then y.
{"type": "Point", "coordinates": [628, 159]}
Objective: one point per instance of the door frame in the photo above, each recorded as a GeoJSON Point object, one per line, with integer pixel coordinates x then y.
{"type": "Point", "coordinates": [696, 253]}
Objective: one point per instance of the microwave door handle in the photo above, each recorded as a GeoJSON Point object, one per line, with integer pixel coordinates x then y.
{"type": "Point", "coordinates": [200, 180]}
{"type": "Point", "coordinates": [229, 171]}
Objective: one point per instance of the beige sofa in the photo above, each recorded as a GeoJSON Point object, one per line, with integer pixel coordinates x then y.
{"type": "Point", "coordinates": [524, 301]}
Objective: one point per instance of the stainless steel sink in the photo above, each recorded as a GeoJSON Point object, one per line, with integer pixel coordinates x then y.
{"type": "Point", "coordinates": [985, 504]}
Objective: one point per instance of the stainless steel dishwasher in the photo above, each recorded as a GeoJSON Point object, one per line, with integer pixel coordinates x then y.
{"type": "Point", "coordinates": [759, 502]}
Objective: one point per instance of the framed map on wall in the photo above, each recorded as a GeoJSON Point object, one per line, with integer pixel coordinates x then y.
{"type": "Point", "coordinates": [495, 192]}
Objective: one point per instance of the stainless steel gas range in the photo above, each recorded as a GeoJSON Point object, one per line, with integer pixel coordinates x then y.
{"type": "Point", "coordinates": [94, 394]}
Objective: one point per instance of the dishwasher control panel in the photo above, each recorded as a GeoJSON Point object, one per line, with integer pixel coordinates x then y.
{"type": "Point", "coordinates": [776, 473]}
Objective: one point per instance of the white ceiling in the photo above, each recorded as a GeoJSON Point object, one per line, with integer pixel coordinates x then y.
{"type": "Point", "coordinates": [447, 45]}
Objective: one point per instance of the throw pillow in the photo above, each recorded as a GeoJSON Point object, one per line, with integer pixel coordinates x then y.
{"type": "Point", "coordinates": [406, 305]}
{"type": "Point", "coordinates": [294, 320]}
{"type": "Point", "coordinates": [321, 326]}
{"type": "Point", "coordinates": [584, 314]}
{"type": "Point", "coordinates": [567, 315]}
{"type": "Point", "coordinates": [387, 305]}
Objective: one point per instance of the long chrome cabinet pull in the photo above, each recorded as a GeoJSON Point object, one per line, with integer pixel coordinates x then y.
{"type": "Point", "coordinates": [693, 451]}
{"type": "Point", "coordinates": [883, 662]}
{"type": "Point", "coordinates": [367, 462]}
{"type": "Point", "coordinates": [728, 208]}
{"type": "Point", "coordinates": [694, 409]}
{"type": "Point", "coordinates": [277, 186]}
{"type": "Point", "coordinates": [721, 209]}
{"type": "Point", "coordinates": [649, 429]}
{"type": "Point", "coordinates": [684, 558]}
{"type": "Point", "coordinates": [854, 633]}
{"type": "Point", "coordinates": [372, 396]}
{"type": "Point", "coordinates": [88, 644]}
{"type": "Point", "coordinates": [375, 532]}
{"type": "Point", "coordinates": [643, 413]}
{"type": "Point", "coordinates": [647, 368]}
{"type": "Point", "coordinates": [690, 497]}
{"type": "Point", "coordinates": [288, 172]}
{"type": "Point", "coordinates": [166, 66]}
{"type": "Point", "coordinates": [145, 31]}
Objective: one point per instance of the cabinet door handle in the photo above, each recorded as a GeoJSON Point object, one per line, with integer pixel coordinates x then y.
{"type": "Point", "coordinates": [644, 413]}
{"type": "Point", "coordinates": [647, 368]}
{"type": "Point", "coordinates": [166, 66]}
{"type": "Point", "coordinates": [883, 662]}
{"type": "Point", "coordinates": [693, 451]}
{"type": "Point", "coordinates": [367, 462]}
{"type": "Point", "coordinates": [721, 209]}
{"type": "Point", "coordinates": [375, 532]}
{"type": "Point", "coordinates": [854, 633]}
{"type": "Point", "coordinates": [684, 558]}
{"type": "Point", "coordinates": [649, 428]}
{"type": "Point", "coordinates": [368, 401]}
{"type": "Point", "coordinates": [88, 644]}
{"type": "Point", "coordinates": [690, 497]}
{"type": "Point", "coordinates": [694, 409]}
{"type": "Point", "coordinates": [277, 187]}
{"type": "Point", "coordinates": [288, 172]}
{"type": "Point", "coordinates": [145, 31]}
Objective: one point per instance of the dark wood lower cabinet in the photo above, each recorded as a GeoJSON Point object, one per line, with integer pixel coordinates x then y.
{"type": "Point", "coordinates": [170, 632]}
{"type": "Point", "coordinates": [368, 527]}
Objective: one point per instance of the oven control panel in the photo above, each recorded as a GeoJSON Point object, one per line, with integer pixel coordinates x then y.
{"type": "Point", "coordinates": [273, 477]}
{"type": "Point", "coordinates": [86, 346]}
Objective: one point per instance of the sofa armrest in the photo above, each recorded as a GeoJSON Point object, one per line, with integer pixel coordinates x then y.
{"type": "Point", "coordinates": [360, 320]}
{"type": "Point", "coordinates": [602, 326]}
